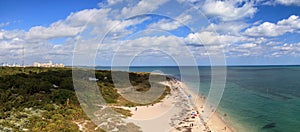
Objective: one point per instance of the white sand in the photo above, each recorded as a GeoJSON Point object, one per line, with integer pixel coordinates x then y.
{"type": "Point", "coordinates": [215, 123]}
{"type": "Point", "coordinates": [174, 113]}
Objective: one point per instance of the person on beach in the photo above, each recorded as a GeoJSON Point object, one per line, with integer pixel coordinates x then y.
{"type": "Point", "coordinates": [191, 125]}
{"type": "Point", "coordinates": [135, 108]}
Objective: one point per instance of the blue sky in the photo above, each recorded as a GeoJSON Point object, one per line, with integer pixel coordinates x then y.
{"type": "Point", "coordinates": [275, 13]}
{"type": "Point", "coordinates": [240, 32]}
{"type": "Point", "coordinates": [26, 14]}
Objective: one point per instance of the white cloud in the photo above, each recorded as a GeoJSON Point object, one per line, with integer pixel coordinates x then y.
{"type": "Point", "coordinates": [112, 2]}
{"type": "Point", "coordinates": [285, 50]}
{"type": "Point", "coordinates": [165, 24]}
{"type": "Point", "coordinates": [191, 1]}
{"type": "Point", "coordinates": [11, 46]}
{"type": "Point", "coordinates": [170, 24]}
{"type": "Point", "coordinates": [36, 40]}
{"type": "Point", "coordinates": [233, 44]}
{"type": "Point", "coordinates": [288, 47]}
{"type": "Point", "coordinates": [142, 7]}
{"type": "Point", "coordinates": [99, 19]}
{"type": "Point", "coordinates": [268, 29]}
{"type": "Point", "coordinates": [229, 35]}
{"type": "Point", "coordinates": [229, 10]}
{"type": "Point", "coordinates": [288, 2]}
{"type": "Point", "coordinates": [147, 46]}
{"type": "Point", "coordinates": [12, 34]}
{"type": "Point", "coordinates": [56, 30]}
{"type": "Point", "coordinates": [106, 3]}
{"type": "Point", "coordinates": [245, 49]}
{"type": "Point", "coordinates": [4, 24]}
{"type": "Point", "coordinates": [89, 16]}
{"type": "Point", "coordinates": [211, 38]}
{"type": "Point", "coordinates": [265, 29]}
{"type": "Point", "coordinates": [72, 25]}
{"type": "Point", "coordinates": [230, 28]}
{"type": "Point", "coordinates": [292, 22]}
{"type": "Point", "coordinates": [248, 45]}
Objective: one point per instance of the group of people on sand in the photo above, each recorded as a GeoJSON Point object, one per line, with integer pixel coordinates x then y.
{"type": "Point", "coordinates": [194, 114]}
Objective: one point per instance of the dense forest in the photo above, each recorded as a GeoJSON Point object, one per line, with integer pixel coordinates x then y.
{"type": "Point", "coordinates": [43, 99]}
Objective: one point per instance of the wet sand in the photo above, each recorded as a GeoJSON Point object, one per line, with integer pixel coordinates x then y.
{"type": "Point", "coordinates": [175, 113]}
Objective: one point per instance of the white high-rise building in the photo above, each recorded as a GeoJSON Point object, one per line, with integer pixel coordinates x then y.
{"type": "Point", "coordinates": [49, 64]}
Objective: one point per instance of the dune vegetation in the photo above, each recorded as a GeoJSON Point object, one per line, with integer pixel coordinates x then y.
{"type": "Point", "coordinates": [43, 99]}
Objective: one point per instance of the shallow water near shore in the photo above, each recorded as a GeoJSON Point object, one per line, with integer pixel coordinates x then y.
{"type": "Point", "coordinates": [257, 98]}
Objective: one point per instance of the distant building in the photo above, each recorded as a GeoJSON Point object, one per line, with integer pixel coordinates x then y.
{"type": "Point", "coordinates": [11, 65]}
{"type": "Point", "coordinates": [49, 64]}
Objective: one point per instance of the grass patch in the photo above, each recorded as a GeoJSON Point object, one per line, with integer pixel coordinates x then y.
{"type": "Point", "coordinates": [122, 111]}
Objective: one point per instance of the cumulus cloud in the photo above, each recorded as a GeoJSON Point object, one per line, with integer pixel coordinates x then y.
{"type": "Point", "coordinates": [102, 21]}
{"type": "Point", "coordinates": [230, 36]}
{"type": "Point", "coordinates": [230, 28]}
{"type": "Point", "coordinates": [246, 50]}
{"type": "Point", "coordinates": [112, 2]}
{"type": "Point", "coordinates": [147, 48]}
{"type": "Point", "coordinates": [285, 50]}
{"type": "Point", "coordinates": [213, 38]}
{"type": "Point", "coordinates": [72, 25]}
{"type": "Point", "coordinates": [233, 45]}
{"type": "Point", "coordinates": [229, 10]}
{"type": "Point", "coordinates": [88, 16]}
{"type": "Point", "coordinates": [288, 2]}
{"type": "Point", "coordinates": [37, 38]}
{"type": "Point", "coordinates": [77, 22]}
{"type": "Point", "coordinates": [292, 24]}
{"type": "Point", "coordinates": [56, 30]}
{"type": "Point", "coordinates": [142, 7]}
{"type": "Point", "coordinates": [169, 24]}
{"type": "Point", "coordinates": [12, 34]}
{"type": "Point", "coordinates": [12, 43]}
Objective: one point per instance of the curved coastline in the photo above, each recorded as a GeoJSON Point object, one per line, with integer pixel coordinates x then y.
{"type": "Point", "coordinates": [169, 112]}
{"type": "Point", "coordinates": [216, 122]}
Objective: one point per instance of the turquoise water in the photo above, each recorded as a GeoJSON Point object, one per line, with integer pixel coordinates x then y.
{"type": "Point", "coordinates": [258, 98]}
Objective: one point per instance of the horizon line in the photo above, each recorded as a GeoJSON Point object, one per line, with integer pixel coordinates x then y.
{"type": "Point", "coordinates": [187, 65]}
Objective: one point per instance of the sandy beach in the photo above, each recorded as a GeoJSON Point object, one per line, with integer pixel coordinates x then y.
{"type": "Point", "coordinates": [215, 122]}
{"type": "Point", "coordinates": [179, 111]}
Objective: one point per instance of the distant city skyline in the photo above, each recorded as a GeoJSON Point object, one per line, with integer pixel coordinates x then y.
{"type": "Point", "coordinates": [255, 32]}
{"type": "Point", "coordinates": [35, 64]}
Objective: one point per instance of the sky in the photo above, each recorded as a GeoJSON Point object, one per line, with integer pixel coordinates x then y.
{"type": "Point", "coordinates": [151, 32]}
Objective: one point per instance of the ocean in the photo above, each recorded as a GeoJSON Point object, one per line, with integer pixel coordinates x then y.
{"type": "Point", "coordinates": [256, 98]}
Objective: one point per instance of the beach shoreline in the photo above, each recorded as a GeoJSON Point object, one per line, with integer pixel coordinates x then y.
{"type": "Point", "coordinates": [169, 111]}
{"type": "Point", "coordinates": [216, 122]}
